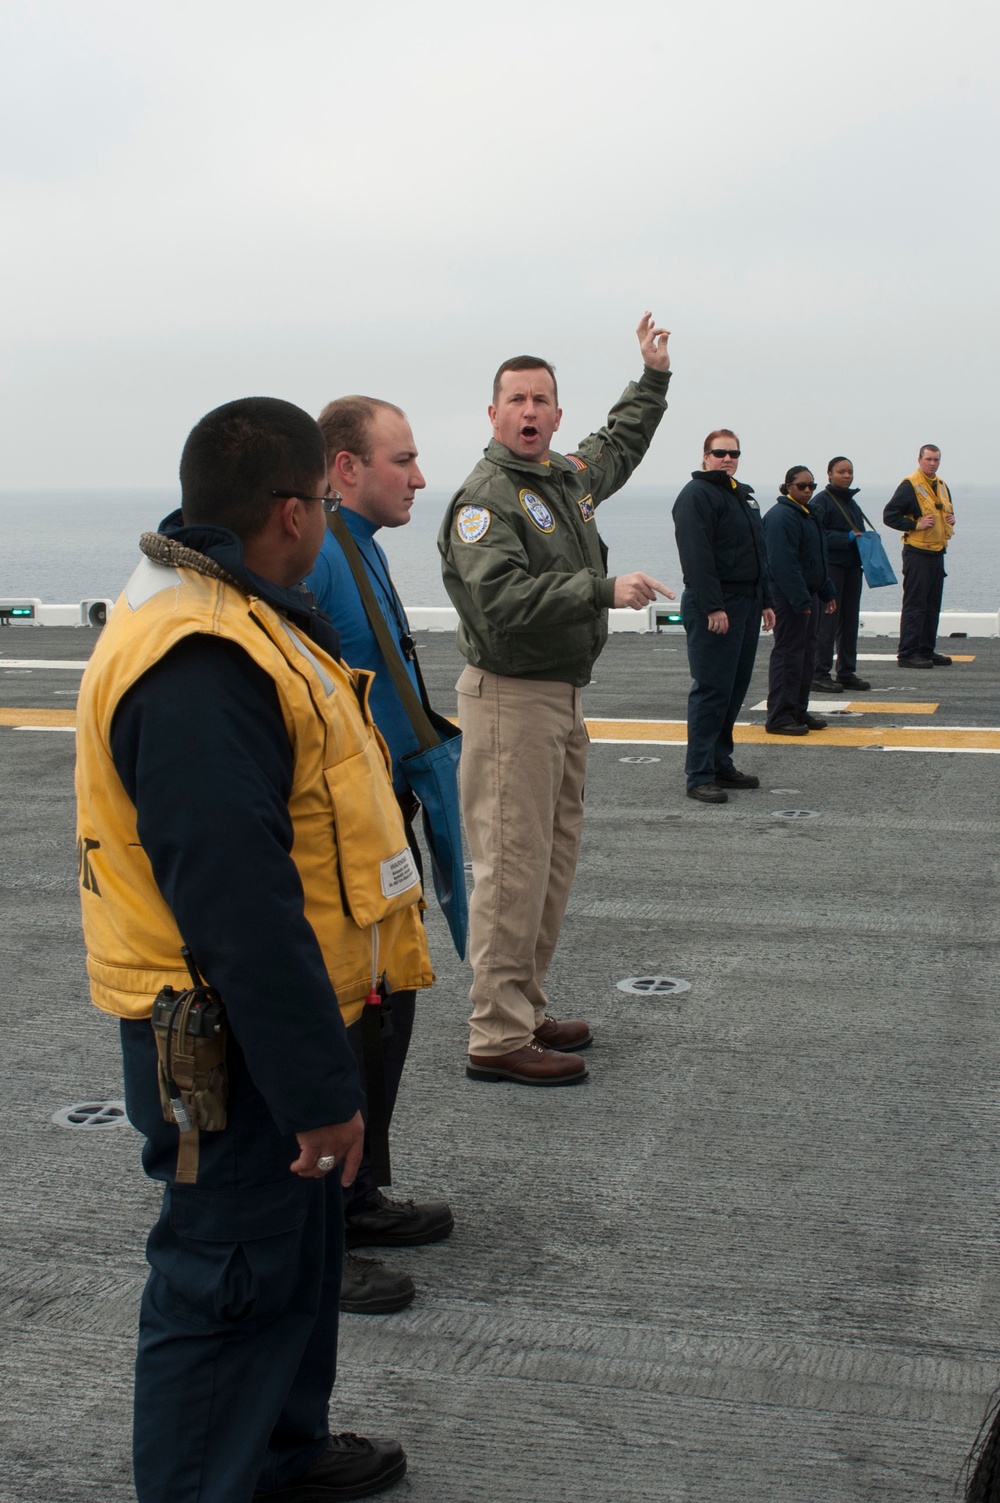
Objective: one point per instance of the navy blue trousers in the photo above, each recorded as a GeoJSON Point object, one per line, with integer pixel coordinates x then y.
{"type": "Point", "coordinates": [238, 1321]}
{"type": "Point", "coordinates": [793, 661]}
{"type": "Point", "coordinates": [397, 1012]}
{"type": "Point", "coordinates": [923, 587]}
{"type": "Point", "coordinates": [841, 629]}
{"type": "Point", "coordinates": [721, 666]}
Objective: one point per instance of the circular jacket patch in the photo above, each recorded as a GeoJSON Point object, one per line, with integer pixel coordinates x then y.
{"type": "Point", "coordinates": [537, 511]}
{"type": "Point", "coordinates": [473, 523]}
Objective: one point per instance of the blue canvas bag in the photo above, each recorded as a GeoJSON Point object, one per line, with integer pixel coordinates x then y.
{"type": "Point", "coordinates": [432, 774]}
{"type": "Point", "coordinates": [874, 560]}
{"type": "Point", "coordinates": [432, 770]}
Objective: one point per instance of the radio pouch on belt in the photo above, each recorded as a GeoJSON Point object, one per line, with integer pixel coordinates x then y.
{"type": "Point", "coordinates": [190, 1031]}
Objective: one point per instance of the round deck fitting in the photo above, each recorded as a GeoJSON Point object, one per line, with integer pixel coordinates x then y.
{"type": "Point", "coordinates": [90, 1115]}
{"type": "Point", "coordinates": [653, 986]}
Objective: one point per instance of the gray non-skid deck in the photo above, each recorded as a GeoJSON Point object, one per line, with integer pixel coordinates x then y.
{"type": "Point", "coordinates": [753, 1257]}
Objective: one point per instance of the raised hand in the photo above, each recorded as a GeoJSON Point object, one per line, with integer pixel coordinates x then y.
{"type": "Point", "coordinates": [653, 343]}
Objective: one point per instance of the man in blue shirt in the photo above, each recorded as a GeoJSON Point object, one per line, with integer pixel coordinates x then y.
{"type": "Point", "coordinates": [372, 462]}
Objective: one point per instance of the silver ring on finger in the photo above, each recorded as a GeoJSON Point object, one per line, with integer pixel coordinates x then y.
{"type": "Point", "coordinates": [326, 1163]}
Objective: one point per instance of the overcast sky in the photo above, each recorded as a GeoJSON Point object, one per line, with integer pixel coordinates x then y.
{"type": "Point", "coordinates": [206, 199]}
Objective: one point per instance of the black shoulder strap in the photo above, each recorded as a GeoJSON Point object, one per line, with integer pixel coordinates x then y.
{"type": "Point", "coordinates": [425, 733]}
{"type": "Point", "coordinates": [845, 513]}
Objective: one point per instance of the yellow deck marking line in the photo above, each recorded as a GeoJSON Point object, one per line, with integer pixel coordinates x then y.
{"type": "Point", "coordinates": [39, 719]}
{"type": "Point", "coordinates": [887, 707]}
{"type": "Point", "coordinates": [674, 733]}
{"type": "Point", "coordinates": [901, 737]}
{"type": "Point", "coordinates": [890, 657]}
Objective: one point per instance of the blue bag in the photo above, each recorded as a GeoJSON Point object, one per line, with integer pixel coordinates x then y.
{"type": "Point", "coordinates": [874, 560]}
{"type": "Point", "coordinates": [432, 774]}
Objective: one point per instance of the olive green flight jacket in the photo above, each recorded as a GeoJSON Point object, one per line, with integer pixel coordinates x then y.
{"type": "Point", "coordinates": [522, 559]}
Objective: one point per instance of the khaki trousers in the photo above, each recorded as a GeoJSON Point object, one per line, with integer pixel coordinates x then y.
{"type": "Point", "coordinates": [524, 759]}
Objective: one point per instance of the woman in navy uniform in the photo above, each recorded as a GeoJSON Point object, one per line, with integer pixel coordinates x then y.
{"type": "Point", "coordinates": [841, 519]}
{"type": "Point", "coordinates": [726, 597]}
{"type": "Point", "coordinates": [797, 565]}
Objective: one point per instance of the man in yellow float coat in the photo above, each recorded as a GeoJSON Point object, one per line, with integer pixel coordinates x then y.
{"type": "Point", "coordinates": [235, 797]}
{"type": "Point", "coordinates": [921, 509]}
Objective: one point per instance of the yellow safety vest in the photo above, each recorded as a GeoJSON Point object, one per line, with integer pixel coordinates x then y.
{"type": "Point", "coordinates": [934, 539]}
{"type": "Point", "coordinates": [349, 844]}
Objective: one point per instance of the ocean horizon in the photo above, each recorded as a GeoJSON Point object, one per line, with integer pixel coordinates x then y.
{"type": "Point", "coordinates": [63, 546]}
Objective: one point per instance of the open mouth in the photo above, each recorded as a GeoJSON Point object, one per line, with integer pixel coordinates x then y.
{"type": "Point", "coordinates": [529, 431]}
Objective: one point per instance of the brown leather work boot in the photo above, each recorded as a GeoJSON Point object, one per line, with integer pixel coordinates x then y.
{"type": "Point", "coordinates": [532, 1064]}
{"type": "Point", "coordinates": [564, 1037]}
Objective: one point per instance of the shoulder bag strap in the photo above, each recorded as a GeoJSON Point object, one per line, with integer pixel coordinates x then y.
{"type": "Point", "coordinates": [846, 514]}
{"type": "Point", "coordinates": [425, 733]}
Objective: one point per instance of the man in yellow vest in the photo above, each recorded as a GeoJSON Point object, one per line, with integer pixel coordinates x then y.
{"type": "Point", "coordinates": [235, 798]}
{"type": "Point", "coordinates": [921, 509]}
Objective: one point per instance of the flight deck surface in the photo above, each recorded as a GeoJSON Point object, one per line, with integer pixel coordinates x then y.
{"type": "Point", "coordinates": [754, 1256]}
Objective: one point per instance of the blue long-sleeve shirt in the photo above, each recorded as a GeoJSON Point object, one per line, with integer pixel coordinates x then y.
{"type": "Point", "coordinates": [337, 595]}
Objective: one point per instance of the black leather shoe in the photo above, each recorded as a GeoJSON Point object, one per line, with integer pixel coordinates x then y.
{"type": "Point", "coordinates": [398, 1223]}
{"type": "Point", "coordinates": [915, 662]}
{"type": "Point", "coordinates": [369, 1288]}
{"type": "Point", "coordinates": [816, 723]}
{"type": "Point", "coordinates": [827, 686]}
{"type": "Point", "coordinates": [851, 681]}
{"type": "Point", "coordinates": [940, 660]}
{"type": "Point", "coordinates": [708, 793]}
{"type": "Point", "coordinates": [793, 728]}
{"type": "Point", "coordinates": [736, 779]}
{"type": "Point", "coordinates": [349, 1468]}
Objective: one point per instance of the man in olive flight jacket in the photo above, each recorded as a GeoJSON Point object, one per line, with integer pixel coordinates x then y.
{"type": "Point", "coordinates": [526, 569]}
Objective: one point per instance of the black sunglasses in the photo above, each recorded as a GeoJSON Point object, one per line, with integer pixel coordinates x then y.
{"type": "Point", "coordinates": [725, 453]}
{"type": "Point", "coordinates": [803, 485]}
{"type": "Point", "coordinates": [330, 502]}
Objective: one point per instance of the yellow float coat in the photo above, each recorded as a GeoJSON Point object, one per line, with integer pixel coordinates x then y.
{"type": "Point", "coordinates": [349, 846]}
{"type": "Point", "coordinates": [933, 539]}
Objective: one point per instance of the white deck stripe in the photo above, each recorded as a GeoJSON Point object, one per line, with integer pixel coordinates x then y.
{"type": "Point", "coordinates": [42, 663]}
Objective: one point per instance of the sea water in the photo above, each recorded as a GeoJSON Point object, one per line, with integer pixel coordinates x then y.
{"type": "Point", "coordinates": [71, 545]}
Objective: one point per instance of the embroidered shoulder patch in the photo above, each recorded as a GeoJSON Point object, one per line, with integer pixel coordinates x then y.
{"type": "Point", "coordinates": [473, 523]}
{"type": "Point", "coordinates": [587, 508]}
{"type": "Point", "coordinates": [576, 461]}
{"type": "Point", "coordinates": [537, 511]}
{"type": "Point", "coordinates": [752, 501]}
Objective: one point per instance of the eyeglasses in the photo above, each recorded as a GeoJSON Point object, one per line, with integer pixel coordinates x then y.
{"type": "Point", "coordinates": [330, 502]}
{"type": "Point", "coordinates": [725, 453]}
{"type": "Point", "coordinates": [803, 485]}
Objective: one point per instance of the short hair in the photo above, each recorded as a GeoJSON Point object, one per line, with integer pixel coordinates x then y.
{"type": "Point", "coordinates": [924, 448]}
{"type": "Point", "coordinates": [718, 433]}
{"type": "Point", "coordinates": [241, 452]}
{"type": "Point", "coordinates": [346, 424]}
{"type": "Point", "coordinates": [525, 363]}
{"type": "Point", "coordinates": [839, 459]}
{"type": "Point", "coordinates": [796, 469]}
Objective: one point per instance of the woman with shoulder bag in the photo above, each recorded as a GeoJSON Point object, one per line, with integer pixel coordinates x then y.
{"type": "Point", "coordinates": [841, 519]}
